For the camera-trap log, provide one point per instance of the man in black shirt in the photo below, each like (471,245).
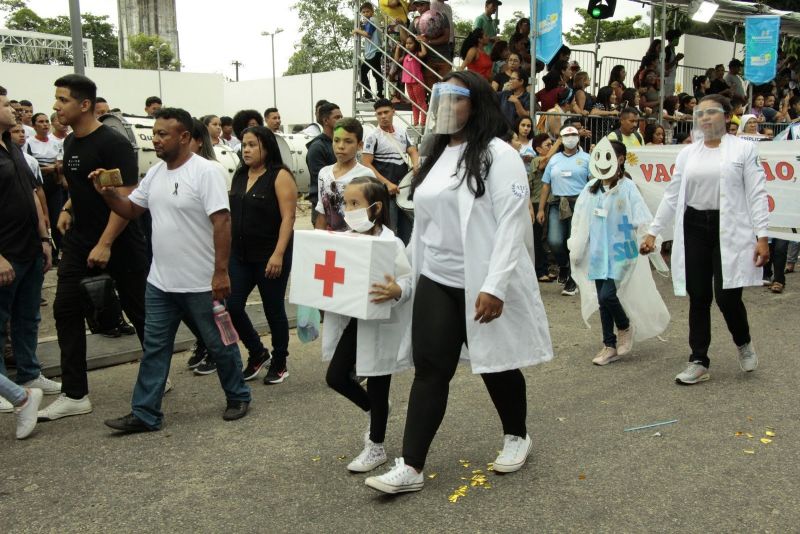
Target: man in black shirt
(95,240)
(320,151)
(25,255)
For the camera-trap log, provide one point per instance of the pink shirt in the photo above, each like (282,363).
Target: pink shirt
(411,64)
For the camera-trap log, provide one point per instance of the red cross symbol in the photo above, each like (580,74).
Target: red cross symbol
(329,273)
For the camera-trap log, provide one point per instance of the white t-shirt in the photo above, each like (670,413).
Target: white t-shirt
(702,179)
(331,193)
(313,129)
(59,144)
(29,131)
(436,218)
(45,152)
(35,169)
(233,142)
(180,202)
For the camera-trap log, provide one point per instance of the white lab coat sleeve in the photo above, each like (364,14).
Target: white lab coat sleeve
(404,275)
(756,191)
(578,242)
(508,190)
(665,216)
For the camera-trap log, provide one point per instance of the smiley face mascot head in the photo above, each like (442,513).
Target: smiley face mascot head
(603,163)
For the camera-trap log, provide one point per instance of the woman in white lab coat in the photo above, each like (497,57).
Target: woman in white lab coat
(718,201)
(473,275)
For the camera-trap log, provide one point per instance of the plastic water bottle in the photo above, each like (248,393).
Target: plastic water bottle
(224,324)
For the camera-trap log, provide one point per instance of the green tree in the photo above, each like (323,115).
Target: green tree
(610,30)
(326,41)
(105,42)
(143,53)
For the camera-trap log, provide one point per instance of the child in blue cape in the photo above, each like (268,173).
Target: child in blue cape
(605,255)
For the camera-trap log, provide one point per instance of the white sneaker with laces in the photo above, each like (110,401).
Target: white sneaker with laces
(748,359)
(5,406)
(48,387)
(371,457)
(63,406)
(625,341)
(27,413)
(515,452)
(606,356)
(401,478)
(695,372)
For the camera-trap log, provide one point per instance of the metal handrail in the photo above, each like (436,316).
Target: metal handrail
(391,85)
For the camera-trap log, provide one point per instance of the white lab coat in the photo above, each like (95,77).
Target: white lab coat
(497,236)
(378,340)
(743,208)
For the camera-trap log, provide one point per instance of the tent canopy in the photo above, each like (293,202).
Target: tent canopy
(734,11)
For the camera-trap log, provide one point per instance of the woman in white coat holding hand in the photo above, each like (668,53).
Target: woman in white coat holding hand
(473,274)
(718,201)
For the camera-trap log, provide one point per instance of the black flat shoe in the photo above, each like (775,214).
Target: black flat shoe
(129,424)
(235,410)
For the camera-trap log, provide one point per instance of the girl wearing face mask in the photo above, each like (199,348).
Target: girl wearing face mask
(604,253)
(369,346)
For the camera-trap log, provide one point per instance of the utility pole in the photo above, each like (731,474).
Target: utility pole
(272,35)
(77,36)
(157,50)
(237,64)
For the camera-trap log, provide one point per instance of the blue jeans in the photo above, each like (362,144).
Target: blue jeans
(20,301)
(557,234)
(611,311)
(245,276)
(10,391)
(163,314)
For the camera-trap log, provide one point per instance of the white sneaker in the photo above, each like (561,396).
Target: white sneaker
(606,356)
(748,359)
(399,479)
(5,406)
(625,341)
(695,372)
(167,386)
(63,406)
(371,457)
(26,414)
(515,452)
(48,387)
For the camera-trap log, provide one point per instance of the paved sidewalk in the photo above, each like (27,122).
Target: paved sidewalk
(282,468)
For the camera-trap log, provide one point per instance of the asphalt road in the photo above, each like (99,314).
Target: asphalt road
(282,468)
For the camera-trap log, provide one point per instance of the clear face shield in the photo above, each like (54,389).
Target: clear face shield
(447,112)
(708,123)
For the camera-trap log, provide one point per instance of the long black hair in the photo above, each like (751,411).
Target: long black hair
(269,145)
(200,133)
(604,97)
(485,122)
(470,41)
(619,150)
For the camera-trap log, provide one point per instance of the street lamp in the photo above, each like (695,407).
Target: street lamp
(157,50)
(272,35)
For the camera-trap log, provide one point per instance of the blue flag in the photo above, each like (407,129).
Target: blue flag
(761,48)
(548,28)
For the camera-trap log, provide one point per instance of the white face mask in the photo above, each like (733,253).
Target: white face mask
(570,141)
(358,220)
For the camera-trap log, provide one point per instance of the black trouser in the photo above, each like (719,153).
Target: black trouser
(704,281)
(438,330)
(375,399)
(539,253)
(776,266)
(69,314)
(375,63)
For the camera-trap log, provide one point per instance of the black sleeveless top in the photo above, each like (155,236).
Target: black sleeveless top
(255,216)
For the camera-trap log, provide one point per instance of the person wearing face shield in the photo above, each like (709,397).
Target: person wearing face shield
(716,203)
(565,176)
(472,265)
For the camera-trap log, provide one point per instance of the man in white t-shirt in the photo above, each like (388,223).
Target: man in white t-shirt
(191,246)
(46,150)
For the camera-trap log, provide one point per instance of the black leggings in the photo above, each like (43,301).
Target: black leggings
(375,399)
(438,330)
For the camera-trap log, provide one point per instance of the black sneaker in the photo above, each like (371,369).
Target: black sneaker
(255,364)
(129,424)
(206,367)
(563,275)
(126,329)
(570,288)
(235,410)
(277,372)
(113,333)
(198,354)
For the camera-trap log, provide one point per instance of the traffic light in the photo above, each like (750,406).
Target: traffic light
(602,9)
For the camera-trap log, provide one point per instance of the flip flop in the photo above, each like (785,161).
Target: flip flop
(776,287)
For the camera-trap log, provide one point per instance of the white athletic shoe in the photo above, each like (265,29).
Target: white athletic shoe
(5,406)
(401,478)
(63,406)
(515,452)
(748,359)
(48,387)
(371,457)
(167,386)
(26,414)
(625,341)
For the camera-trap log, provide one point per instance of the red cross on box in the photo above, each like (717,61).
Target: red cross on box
(329,273)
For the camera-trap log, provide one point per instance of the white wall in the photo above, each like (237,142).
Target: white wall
(123,88)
